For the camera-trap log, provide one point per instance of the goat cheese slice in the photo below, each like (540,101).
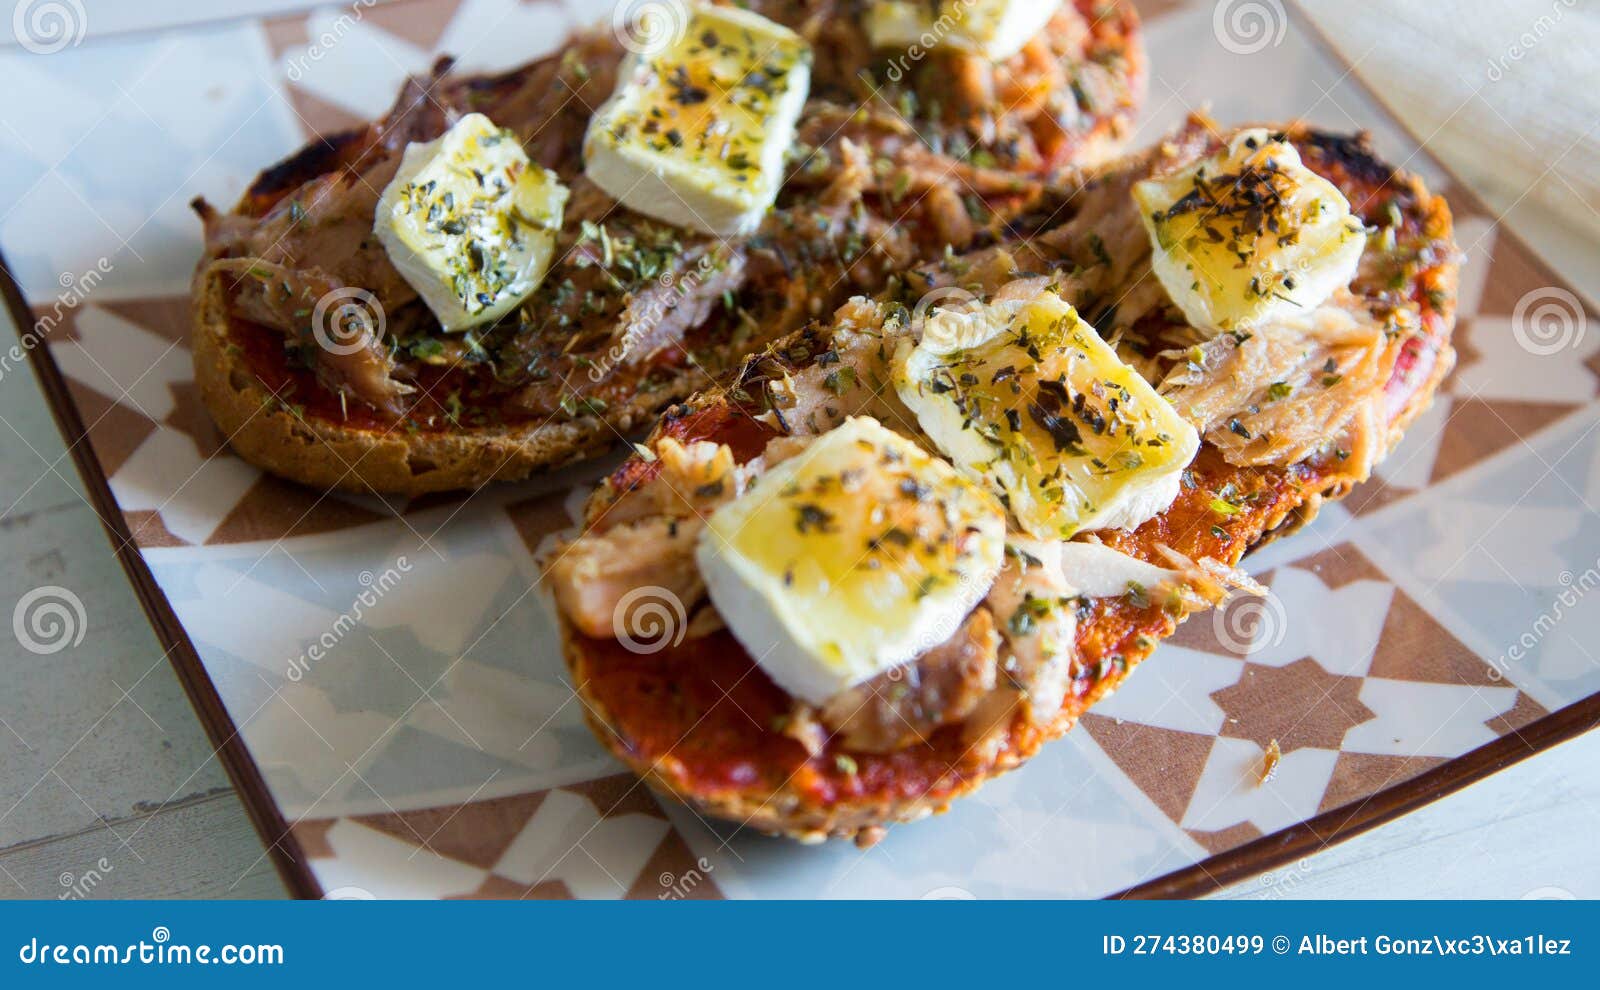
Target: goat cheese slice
(697,129)
(1249,234)
(470,222)
(858,554)
(1025,397)
(995,28)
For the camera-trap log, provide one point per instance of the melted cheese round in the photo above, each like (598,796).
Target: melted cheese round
(856,555)
(697,130)
(1025,396)
(1249,234)
(470,222)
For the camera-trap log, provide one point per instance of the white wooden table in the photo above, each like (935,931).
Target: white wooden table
(108,787)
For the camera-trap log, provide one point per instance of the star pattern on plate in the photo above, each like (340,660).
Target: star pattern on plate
(1297,705)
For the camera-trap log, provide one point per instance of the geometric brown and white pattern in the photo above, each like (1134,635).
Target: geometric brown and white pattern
(392,665)
(1356,684)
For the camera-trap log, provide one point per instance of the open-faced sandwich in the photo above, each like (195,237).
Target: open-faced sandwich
(910,544)
(507,272)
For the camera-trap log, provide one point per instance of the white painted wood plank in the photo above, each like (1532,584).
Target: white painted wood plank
(1526,831)
(75,748)
(202,849)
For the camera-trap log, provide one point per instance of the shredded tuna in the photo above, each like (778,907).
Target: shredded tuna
(1292,388)
(594,576)
(895,165)
(353,357)
(1036,605)
(906,705)
(692,481)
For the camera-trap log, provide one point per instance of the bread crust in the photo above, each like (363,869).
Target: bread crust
(323,453)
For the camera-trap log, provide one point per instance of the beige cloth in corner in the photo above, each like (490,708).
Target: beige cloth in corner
(1507,92)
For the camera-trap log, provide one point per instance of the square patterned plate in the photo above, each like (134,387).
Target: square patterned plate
(383,680)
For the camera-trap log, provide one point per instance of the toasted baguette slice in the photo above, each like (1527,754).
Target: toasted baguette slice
(324,452)
(703,724)
(296,418)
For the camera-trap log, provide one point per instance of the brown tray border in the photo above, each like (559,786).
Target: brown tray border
(1207,876)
